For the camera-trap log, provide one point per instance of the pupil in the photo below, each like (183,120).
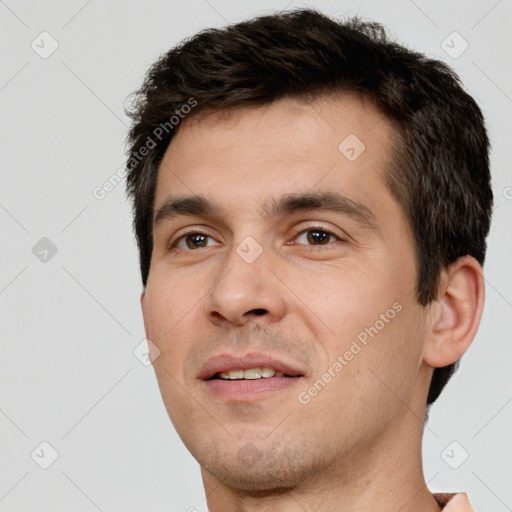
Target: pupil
(195,238)
(318,236)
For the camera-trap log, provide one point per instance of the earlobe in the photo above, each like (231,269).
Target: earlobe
(455,315)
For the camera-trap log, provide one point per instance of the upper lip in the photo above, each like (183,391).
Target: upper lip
(227,362)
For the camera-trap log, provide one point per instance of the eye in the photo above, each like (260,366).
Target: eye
(192,240)
(196,240)
(316,236)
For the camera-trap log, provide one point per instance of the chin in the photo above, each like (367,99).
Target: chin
(276,468)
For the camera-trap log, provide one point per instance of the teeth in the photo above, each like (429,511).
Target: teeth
(267,372)
(250,374)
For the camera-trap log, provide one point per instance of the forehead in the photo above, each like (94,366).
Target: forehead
(247,156)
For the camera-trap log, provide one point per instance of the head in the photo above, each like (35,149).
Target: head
(266,122)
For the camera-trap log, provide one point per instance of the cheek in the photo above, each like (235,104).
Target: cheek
(169,297)
(168,309)
(391,357)
(346,296)
(374,326)
(377,377)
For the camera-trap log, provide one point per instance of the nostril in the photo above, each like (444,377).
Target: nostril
(258,312)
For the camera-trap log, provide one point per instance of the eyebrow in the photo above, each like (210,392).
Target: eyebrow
(285,205)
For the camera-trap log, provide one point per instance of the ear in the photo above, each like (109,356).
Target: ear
(455,314)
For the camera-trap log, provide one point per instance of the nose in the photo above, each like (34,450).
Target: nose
(243,292)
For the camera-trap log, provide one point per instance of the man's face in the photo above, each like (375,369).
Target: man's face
(296,289)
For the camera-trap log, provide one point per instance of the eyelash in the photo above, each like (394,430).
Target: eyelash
(173,245)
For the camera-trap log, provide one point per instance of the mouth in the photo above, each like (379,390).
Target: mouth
(248,377)
(248,367)
(251,374)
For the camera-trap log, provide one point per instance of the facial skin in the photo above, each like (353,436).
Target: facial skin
(356,444)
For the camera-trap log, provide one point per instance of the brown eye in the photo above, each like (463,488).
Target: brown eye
(194,240)
(315,236)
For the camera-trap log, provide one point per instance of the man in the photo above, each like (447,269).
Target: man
(311,203)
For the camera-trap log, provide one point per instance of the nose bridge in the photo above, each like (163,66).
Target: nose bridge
(245,286)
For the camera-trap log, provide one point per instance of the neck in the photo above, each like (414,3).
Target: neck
(384,474)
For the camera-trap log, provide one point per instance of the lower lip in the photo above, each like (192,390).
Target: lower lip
(242,390)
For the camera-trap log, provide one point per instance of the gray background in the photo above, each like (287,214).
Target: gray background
(70,321)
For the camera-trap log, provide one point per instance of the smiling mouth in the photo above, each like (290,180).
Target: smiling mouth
(251,374)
